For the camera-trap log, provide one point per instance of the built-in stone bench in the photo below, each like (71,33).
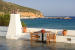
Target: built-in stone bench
(67,38)
(59,37)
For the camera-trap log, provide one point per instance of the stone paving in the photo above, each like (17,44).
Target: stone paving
(25,44)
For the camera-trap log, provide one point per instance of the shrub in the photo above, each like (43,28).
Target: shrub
(23,24)
(4,20)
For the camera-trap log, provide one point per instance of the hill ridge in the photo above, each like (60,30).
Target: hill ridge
(5,7)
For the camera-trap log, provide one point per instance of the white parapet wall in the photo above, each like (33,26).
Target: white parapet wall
(3,30)
(14,29)
(69,38)
(65,39)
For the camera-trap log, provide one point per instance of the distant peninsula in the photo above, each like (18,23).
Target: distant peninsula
(6,7)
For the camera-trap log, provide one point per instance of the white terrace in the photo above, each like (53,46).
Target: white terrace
(69,38)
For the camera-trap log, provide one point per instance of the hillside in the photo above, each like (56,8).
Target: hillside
(6,7)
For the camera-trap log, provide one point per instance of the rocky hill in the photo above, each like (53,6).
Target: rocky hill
(6,7)
(30,14)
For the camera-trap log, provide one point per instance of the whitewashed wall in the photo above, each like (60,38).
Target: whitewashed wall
(3,30)
(59,36)
(14,29)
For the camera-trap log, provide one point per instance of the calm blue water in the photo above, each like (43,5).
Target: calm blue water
(51,23)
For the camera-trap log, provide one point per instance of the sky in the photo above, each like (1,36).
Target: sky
(49,7)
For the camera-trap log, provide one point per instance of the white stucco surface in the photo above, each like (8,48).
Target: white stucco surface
(3,30)
(14,29)
(59,36)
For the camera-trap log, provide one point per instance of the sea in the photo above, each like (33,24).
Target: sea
(44,23)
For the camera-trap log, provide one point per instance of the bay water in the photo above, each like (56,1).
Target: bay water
(68,24)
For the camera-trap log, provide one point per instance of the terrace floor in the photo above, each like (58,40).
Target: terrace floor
(25,44)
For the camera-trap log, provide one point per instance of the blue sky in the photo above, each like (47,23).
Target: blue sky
(49,7)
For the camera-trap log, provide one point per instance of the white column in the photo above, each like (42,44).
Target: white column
(14,29)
